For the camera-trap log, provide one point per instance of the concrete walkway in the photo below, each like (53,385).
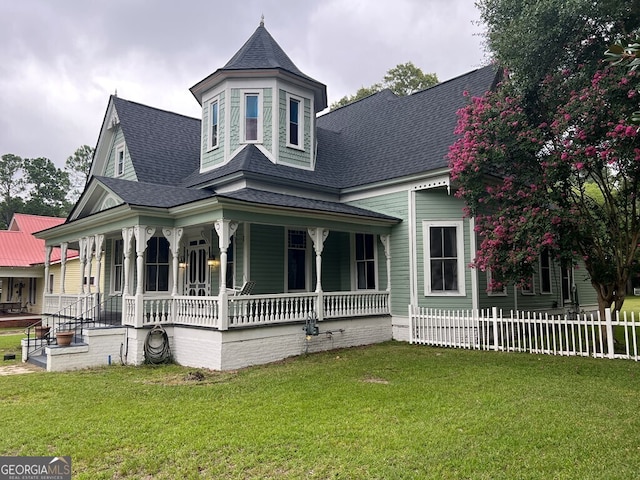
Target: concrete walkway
(18,369)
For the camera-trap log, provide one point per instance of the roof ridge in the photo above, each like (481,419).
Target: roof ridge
(162,110)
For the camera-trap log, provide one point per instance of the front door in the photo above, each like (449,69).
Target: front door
(197,281)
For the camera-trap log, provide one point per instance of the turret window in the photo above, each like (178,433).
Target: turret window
(294,122)
(251,117)
(213,122)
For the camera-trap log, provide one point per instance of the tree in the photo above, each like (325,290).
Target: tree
(11,185)
(535,39)
(569,186)
(403,79)
(78,166)
(48,188)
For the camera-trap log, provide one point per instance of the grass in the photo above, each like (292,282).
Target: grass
(631,304)
(10,343)
(388,411)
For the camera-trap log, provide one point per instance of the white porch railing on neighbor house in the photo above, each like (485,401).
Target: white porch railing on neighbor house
(57,303)
(251,310)
(532,332)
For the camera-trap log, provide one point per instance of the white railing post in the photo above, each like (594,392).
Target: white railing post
(494,318)
(320,307)
(139,303)
(609,330)
(224,310)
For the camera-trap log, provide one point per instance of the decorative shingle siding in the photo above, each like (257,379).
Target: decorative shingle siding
(234,120)
(267,119)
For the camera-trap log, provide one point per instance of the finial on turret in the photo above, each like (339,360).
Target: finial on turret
(262,20)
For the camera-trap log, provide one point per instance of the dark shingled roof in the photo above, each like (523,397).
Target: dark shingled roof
(261,51)
(251,195)
(384,137)
(164,146)
(145,194)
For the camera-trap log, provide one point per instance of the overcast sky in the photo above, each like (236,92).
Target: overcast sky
(60,60)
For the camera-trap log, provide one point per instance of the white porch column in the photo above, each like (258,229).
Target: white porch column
(142,234)
(63,265)
(90,253)
(225,230)
(47,263)
(386,243)
(174,235)
(127,236)
(99,242)
(318,236)
(83,261)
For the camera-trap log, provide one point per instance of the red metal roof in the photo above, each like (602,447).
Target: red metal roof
(18,246)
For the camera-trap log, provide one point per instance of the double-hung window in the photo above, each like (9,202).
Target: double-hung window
(444,258)
(157,265)
(251,117)
(120,160)
(495,291)
(213,124)
(117,270)
(545,271)
(295,122)
(365,262)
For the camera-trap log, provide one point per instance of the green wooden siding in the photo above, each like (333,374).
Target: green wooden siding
(395,204)
(438,205)
(267,258)
(110,168)
(288,155)
(335,262)
(211,158)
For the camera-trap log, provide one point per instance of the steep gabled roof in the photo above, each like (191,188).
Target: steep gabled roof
(384,137)
(32,223)
(164,147)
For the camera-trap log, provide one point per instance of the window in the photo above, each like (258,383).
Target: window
(251,117)
(365,262)
(444,258)
(157,265)
(118,257)
(90,280)
(230,279)
(120,160)
(294,122)
(545,272)
(494,292)
(213,122)
(51,280)
(529,289)
(296,260)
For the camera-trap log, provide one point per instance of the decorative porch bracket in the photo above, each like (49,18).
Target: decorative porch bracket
(318,236)
(99,242)
(386,243)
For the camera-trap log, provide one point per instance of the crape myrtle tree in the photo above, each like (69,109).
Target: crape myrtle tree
(568,185)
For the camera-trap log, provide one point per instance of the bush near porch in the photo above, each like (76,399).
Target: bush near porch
(392,410)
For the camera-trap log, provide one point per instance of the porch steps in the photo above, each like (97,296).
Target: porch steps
(38,361)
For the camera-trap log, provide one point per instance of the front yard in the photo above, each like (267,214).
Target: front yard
(388,411)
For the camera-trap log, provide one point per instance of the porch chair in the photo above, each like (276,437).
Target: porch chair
(245,289)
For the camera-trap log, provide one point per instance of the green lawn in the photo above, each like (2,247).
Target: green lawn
(631,304)
(10,343)
(388,411)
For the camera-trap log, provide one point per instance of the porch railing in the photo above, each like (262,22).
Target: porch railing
(251,310)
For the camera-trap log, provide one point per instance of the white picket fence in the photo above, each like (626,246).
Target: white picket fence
(532,332)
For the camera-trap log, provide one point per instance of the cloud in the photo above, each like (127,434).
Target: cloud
(60,61)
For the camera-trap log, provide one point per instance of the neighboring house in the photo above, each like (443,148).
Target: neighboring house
(25,272)
(347,218)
